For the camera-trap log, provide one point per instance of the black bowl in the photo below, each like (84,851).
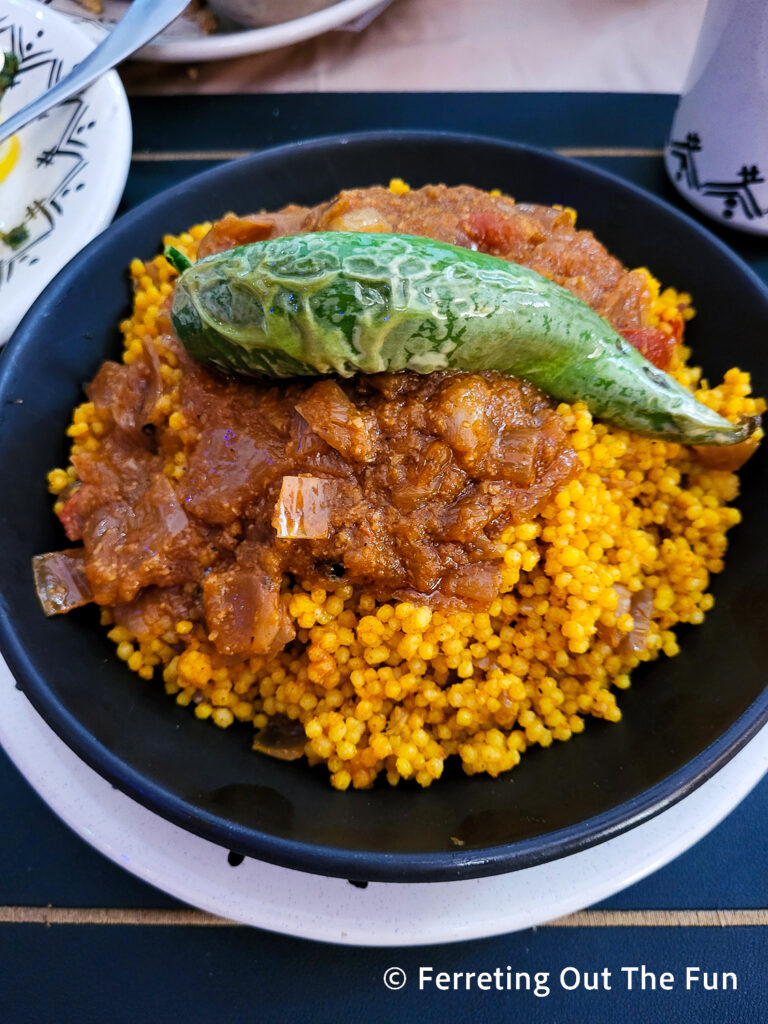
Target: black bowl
(683,718)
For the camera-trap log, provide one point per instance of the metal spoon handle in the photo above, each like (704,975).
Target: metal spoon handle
(141,22)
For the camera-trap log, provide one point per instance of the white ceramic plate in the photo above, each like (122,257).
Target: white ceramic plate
(72,164)
(330,909)
(184,40)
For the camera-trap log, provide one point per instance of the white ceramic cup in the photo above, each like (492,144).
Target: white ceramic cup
(717,151)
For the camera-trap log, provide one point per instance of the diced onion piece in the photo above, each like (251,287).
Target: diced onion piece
(303,510)
(282,737)
(243,611)
(612,635)
(640,610)
(624,603)
(336,419)
(478,582)
(364,218)
(169,518)
(60,580)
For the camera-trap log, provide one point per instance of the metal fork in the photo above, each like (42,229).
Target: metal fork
(141,23)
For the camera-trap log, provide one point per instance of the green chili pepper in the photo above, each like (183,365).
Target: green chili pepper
(347,302)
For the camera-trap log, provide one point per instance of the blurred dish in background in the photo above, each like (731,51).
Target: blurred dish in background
(260,13)
(61,177)
(207,34)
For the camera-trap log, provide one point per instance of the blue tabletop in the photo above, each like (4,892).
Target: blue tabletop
(699,927)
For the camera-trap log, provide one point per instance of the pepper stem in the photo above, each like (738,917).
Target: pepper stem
(177,259)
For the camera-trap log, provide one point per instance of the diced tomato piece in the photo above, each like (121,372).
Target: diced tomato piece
(71,517)
(653,343)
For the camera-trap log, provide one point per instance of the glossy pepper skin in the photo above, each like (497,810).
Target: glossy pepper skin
(348,302)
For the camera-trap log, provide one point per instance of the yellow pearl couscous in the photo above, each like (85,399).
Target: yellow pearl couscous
(396,688)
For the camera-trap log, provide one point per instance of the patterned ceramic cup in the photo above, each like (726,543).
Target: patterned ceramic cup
(717,152)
